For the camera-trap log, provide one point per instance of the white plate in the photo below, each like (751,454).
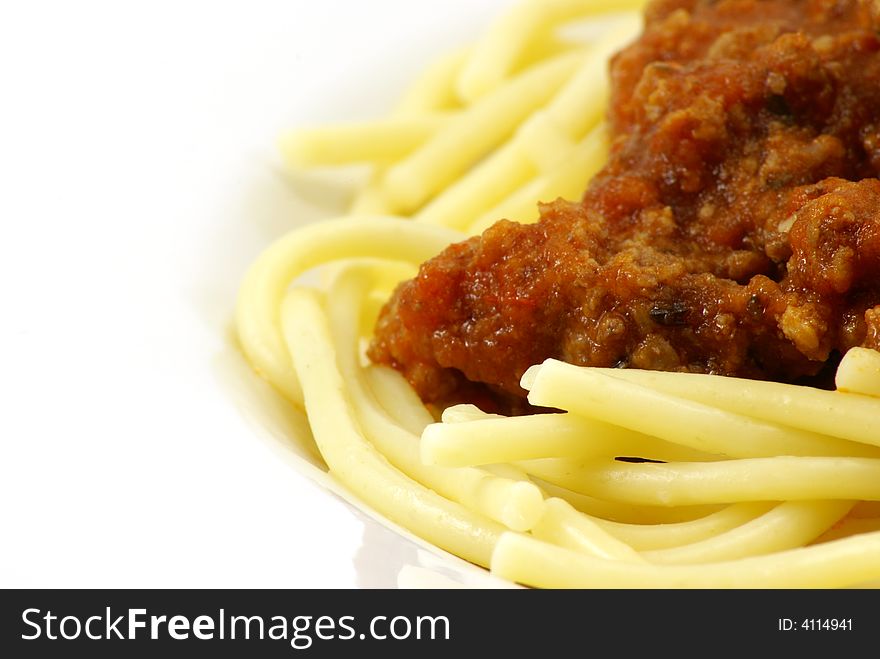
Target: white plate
(140,180)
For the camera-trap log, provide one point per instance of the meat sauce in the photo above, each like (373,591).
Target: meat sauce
(735,229)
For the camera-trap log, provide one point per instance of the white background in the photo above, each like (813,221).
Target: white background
(137,181)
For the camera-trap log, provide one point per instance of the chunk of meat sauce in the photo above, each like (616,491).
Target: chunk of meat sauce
(735,229)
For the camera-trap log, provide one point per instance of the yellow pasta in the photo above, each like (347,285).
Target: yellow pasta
(466,412)
(832,413)
(563,525)
(782,478)
(377,141)
(605,395)
(663,536)
(354,461)
(543,144)
(431,94)
(644,517)
(859,372)
(474,133)
(435,88)
(567,180)
(580,105)
(370,200)
(486,441)
(398,399)
(476,192)
(517,504)
(789,525)
(513,34)
(646,479)
(264,286)
(837,564)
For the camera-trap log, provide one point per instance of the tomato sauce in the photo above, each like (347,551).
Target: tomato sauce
(735,229)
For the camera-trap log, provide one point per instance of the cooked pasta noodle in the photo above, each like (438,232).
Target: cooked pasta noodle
(646,479)
(847,562)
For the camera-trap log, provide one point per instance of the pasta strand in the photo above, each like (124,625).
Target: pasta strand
(781,478)
(835,564)
(602,394)
(354,461)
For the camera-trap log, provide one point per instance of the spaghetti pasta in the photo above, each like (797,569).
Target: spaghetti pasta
(646,479)
(782,478)
(846,562)
(859,372)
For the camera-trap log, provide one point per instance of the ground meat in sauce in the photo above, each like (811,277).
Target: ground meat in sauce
(735,229)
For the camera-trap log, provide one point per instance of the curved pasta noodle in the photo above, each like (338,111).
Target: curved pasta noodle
(626,513)
(264,287)
(836,564)
(662,536)
(486,441)
(789,525)
(563,525)
(781,478)
(475,133)
(544,143)
(356,463)
(378,141)
(496,55)
(515,503)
